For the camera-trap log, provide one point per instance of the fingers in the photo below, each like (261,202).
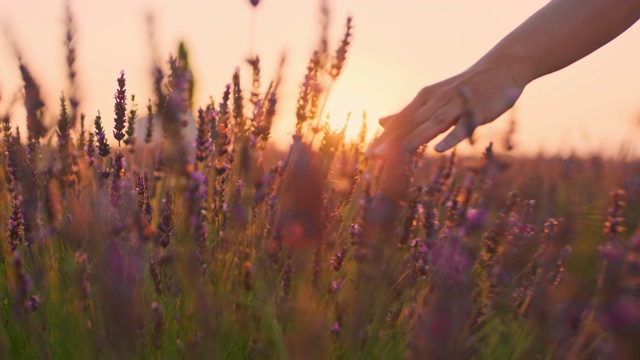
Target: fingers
(385,121)
(464,126)
(434,122)
(389,138)
(463,129)
(399,126)
(392,134)
(470,120)
(405,114)
(468,100)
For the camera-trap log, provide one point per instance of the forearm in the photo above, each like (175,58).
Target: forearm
(559,34)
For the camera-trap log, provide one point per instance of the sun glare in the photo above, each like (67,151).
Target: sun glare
(351,105)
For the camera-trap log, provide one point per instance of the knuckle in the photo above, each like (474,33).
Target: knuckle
(437,118)
(443,117)
(424,93)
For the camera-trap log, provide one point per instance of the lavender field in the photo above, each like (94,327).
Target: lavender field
(182,232)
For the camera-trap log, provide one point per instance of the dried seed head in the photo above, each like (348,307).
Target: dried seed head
(341,53)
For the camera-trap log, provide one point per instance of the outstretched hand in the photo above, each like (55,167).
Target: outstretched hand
(559,34)
(474,97)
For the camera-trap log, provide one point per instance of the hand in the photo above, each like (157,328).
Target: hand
(475,97)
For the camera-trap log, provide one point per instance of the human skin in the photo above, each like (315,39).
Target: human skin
(559,34)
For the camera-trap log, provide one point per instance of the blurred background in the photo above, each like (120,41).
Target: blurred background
(592,107)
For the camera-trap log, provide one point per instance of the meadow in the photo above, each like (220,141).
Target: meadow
(146,241)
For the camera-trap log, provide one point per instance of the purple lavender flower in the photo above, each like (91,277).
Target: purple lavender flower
(70,48)
(238,104)
(90,150)
(16,221)
(623,314)
(335,329)
(165,227)
(476,218)
(614,223)
(338,259)
(64,143)
(149,134)
(33,104)
(32,303)
(130,140)
(103,146)
(335,286)
(144,206)
(196,196)
(286,278)
(203,140)
(23,283)
(120,109)
(116,182)
(9,151)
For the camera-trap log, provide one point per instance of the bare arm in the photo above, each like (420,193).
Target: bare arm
(556,36)
(561,33)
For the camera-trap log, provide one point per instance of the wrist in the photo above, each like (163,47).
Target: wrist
(520,69)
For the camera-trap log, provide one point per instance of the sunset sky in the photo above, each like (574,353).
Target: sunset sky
(398,47)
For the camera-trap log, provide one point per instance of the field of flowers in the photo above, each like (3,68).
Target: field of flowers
(214,245)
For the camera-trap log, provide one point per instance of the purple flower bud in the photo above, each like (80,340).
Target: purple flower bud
(476,218)
(335,329)
(622,315)
(32,303)
(335,286)
(611,252)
